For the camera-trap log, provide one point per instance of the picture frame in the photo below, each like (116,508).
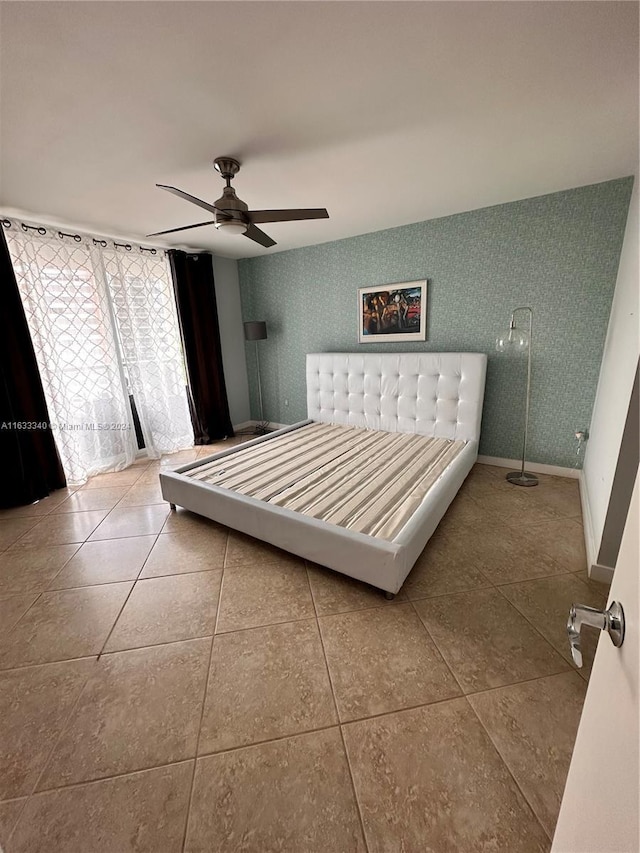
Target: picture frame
(390,313)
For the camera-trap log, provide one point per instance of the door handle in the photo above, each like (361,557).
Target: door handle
(611,621)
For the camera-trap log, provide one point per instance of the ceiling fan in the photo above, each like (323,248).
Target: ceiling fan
(232,216)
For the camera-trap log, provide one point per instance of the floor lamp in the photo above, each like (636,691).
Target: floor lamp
(519,340)
(255,331)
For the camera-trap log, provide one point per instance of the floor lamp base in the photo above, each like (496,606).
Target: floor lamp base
(522,478)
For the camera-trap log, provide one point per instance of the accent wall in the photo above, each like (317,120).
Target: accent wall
(557,253)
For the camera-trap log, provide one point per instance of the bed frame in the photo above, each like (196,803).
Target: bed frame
(431,394)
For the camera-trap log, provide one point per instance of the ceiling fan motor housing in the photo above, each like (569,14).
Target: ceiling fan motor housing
(227,166)
(231,208)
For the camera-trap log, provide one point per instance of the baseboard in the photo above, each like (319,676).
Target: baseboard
(603,574)
(536,467)
(587,523)
(248,424)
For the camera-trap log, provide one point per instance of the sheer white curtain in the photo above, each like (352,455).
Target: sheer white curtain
(145,311)
(104,326)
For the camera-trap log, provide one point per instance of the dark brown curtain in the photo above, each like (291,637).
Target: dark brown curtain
(198,314)
(30,462)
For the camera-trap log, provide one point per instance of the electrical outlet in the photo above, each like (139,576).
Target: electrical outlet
(286,402)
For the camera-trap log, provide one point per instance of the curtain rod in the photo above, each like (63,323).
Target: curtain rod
(7,223)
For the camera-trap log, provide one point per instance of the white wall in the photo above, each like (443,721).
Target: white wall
(614,387)
(225,272)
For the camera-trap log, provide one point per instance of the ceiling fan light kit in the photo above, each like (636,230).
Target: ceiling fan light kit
(232,215)
(230,226)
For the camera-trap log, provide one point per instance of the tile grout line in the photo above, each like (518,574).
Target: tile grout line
(98,779)
(542,578)
(353,788)
(37,598)
(224,568)
(130,487)
(263,625)
(133,586)
(115,622)
(508,768)
(17,820)
(146,559)
(248,628)
(79,544)
(127,580)
(225,751)
(443,594)
(63,731)
(342,723)
(535,628)
(195,756)
(77,700)
(518,683)
(402,710)
(279,738)
(498,588)
(440,652)
(335,704)
(45,663)
(259,627)
(16,547)
(204,701)
(269,624)
(241,746)
(324,652)
(66,562)
(464,692)
(176,574)
(64,589)
(105,654)
(128,535)
(38,515)
(380,606)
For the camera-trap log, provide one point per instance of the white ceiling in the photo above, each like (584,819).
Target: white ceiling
(384,112)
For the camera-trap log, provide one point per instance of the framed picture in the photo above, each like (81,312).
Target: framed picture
(392,312)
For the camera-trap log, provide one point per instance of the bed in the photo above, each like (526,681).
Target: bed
(361,485)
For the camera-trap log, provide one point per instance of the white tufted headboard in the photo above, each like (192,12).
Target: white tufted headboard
(429,393)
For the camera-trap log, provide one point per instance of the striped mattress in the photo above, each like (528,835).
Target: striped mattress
(367,481)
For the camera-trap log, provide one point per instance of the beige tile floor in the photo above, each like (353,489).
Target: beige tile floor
(168,685)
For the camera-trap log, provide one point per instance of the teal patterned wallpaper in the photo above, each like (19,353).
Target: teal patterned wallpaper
(557,253)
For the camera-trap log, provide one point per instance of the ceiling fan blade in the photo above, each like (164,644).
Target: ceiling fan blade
(184,228)
(287,215)
(259,236)
(188,197)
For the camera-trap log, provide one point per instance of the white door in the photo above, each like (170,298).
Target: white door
(599,811)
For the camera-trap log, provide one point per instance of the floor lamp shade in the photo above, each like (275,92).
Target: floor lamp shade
(255,330)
